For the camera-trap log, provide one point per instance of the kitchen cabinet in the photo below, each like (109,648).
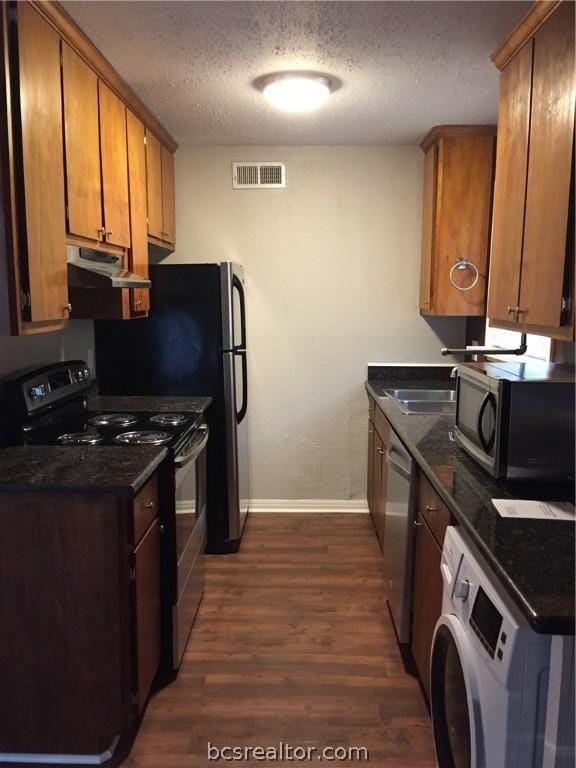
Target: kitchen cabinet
(34,286)
(139,297)
(458,179)
(74,171)
(378,438)
(161,195)
(114,159)
(433,517)
(96,155)
(82,143)
(80,592)
(532,256)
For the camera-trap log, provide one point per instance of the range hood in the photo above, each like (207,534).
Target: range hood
(88,268)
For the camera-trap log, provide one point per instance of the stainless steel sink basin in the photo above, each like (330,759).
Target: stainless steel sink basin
(424,401)
(422,394)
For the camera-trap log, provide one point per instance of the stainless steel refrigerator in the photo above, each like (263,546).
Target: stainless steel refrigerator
(192,344)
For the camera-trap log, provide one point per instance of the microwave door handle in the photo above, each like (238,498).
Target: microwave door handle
(486,442)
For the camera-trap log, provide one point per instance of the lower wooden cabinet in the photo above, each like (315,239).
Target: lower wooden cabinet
(80,604)
(378,437)
(427,598)
(431,523)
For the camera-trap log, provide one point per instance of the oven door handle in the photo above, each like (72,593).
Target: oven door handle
(487,443)
(196,450)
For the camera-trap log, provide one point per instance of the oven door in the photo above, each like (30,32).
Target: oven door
(478,416)
(190,485)
(456,716)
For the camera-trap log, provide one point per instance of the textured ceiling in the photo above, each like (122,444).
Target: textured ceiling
(404,66)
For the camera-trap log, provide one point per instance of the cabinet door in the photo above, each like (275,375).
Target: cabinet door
(462,227)
(426,600)
(168,197)
(147,591)
(510,185)
(43,165)
(82,142)
(154,185)
(428,216)
(549,171)
(370,483)
(381,501)
(114,158)
(377,452)
(138,229)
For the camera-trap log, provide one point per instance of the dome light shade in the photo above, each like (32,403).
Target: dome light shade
(296,91)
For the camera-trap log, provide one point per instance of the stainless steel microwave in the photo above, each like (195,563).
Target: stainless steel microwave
(517,419)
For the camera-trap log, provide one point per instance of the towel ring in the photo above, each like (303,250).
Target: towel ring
(464,264)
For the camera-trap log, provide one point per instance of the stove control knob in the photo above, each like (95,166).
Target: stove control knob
(462,589)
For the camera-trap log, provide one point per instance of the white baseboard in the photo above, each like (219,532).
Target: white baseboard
(309,505)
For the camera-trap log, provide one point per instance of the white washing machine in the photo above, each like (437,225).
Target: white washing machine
(490,675)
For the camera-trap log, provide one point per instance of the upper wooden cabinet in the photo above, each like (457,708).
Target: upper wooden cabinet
(168,197)
(82,141)
(139,297)
(96,155)
(114,159)
(33,176)
(74,171)
(458,176)
(160,180)
(532,253)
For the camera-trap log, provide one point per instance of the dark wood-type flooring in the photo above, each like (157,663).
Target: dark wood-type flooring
(293,643)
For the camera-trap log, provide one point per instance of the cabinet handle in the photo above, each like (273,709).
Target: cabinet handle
(67,307)
(509,309)
(150,505)
(109,232)
(101,231)
(380,451)
(417,523)
(138,302)
(431,508)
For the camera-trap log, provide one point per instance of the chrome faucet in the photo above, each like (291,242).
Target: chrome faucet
(454,372)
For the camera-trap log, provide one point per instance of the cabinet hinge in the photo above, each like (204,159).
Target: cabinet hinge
(565,304)
(25,299)
(145,142)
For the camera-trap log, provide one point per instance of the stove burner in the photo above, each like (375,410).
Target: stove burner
(80,438)
(143,437)
(169,419)
(112,420)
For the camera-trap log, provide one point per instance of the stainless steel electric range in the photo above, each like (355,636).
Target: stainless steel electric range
(49,406)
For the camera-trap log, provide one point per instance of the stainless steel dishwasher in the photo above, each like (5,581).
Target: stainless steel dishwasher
(399,535)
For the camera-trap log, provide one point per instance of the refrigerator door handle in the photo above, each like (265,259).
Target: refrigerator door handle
(237,283)
(244,407)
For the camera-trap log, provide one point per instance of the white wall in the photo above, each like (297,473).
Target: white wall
(332,263)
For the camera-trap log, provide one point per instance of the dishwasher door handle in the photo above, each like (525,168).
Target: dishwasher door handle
(396,466)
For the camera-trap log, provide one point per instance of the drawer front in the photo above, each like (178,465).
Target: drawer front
(145,508)
(433,509)
(382,426)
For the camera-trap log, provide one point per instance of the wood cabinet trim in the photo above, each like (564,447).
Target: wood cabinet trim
(526,28)
(55,14)
(444,131)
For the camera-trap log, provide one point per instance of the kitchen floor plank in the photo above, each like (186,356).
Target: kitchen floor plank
(293,643)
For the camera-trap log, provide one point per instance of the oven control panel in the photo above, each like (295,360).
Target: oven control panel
(34,391)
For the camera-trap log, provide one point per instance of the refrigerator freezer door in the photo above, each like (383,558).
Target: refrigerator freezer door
(233,307)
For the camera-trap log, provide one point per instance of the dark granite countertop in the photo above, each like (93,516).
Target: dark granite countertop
(75,469)
(156,404)
(533,559)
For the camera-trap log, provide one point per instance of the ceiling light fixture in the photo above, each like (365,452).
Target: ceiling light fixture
(296,91)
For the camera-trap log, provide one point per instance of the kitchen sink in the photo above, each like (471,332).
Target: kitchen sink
(423,401)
